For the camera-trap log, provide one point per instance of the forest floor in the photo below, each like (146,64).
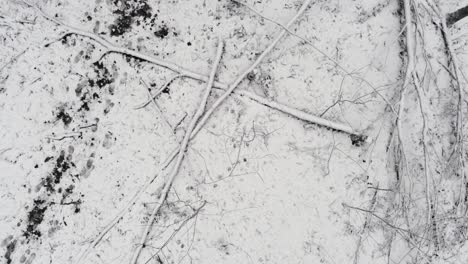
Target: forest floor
(257,185)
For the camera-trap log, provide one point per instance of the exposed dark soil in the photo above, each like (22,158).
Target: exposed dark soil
(459,14)
(65,117)
(121,25)
(358,140)
(87,91)
(66,197)
(162,32)
(35,218)
(10,248)
(104,77)
(128,12)
(61,166)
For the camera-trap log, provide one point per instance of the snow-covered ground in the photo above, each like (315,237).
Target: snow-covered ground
(257,185)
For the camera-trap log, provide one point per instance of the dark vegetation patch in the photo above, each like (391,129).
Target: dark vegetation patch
(357,140)
(162,32)
(399,11)
(84,106)
(35,218)
(233,8)
(121,25)
(90,90)
(61,166)
(35,215)
(135,62)
(104,77)
(66,199)
(9,251)
(64,116)
(166,90)
(128,11)
(86,100)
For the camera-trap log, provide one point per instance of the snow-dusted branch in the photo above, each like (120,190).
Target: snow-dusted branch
(181,154)
(194,128)
(250,69)
(299,114)
(111,48)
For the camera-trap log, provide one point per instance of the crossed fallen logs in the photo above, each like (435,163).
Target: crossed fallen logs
(111,48)
(198,120)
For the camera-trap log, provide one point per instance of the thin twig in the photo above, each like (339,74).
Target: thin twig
(236,163)
(158,109)
(64,136)
(366,224)
(379,217)
(13,59)
(183,223)
(83,254)
(159,91)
